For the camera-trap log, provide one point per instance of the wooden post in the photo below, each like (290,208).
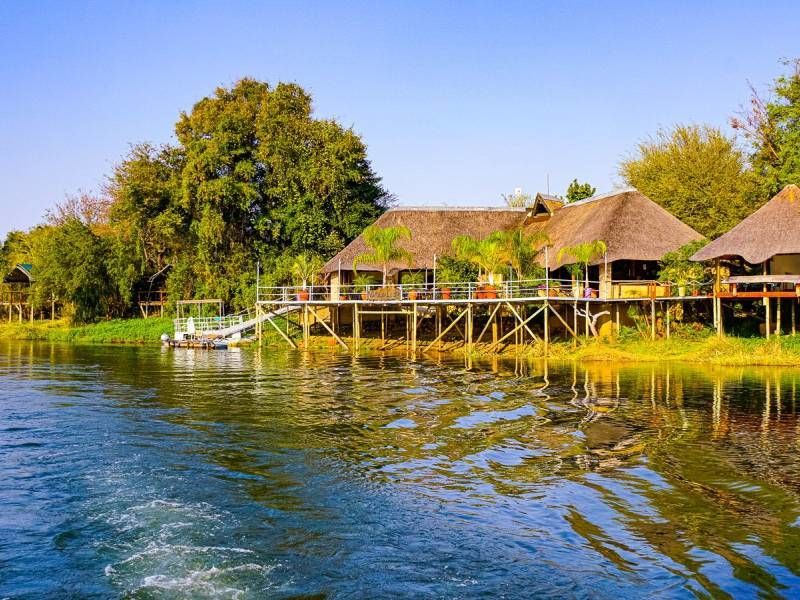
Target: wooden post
(778,303)
(616,306)
(652,319)
(768,319)
(356,328)
(794,323)
(494,326)
(586,319)
(468,332)
(414,330)
(716,299)
(546,326)
(575,323)
(667,319)
(258,324)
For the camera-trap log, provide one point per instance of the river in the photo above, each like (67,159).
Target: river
(152,473)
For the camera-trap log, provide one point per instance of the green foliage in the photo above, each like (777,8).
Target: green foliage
(70,264)
(773,129)
(362,280)
(580,256)
(696,173)
(489,254)
(306,268)
(383,242)
(578,191)
(678,269)
(521,251)
(454,270)
(518,199)
(412,278)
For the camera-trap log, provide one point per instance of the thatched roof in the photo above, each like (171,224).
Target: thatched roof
(550,202)
(772,229)
(21,273)
(433,230)
(632,226)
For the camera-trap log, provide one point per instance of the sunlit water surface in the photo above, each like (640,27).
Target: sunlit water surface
(145,473)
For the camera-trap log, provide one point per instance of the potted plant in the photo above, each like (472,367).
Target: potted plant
(305,270)
(677,269)
(361,283)
(489,255)
(453,270)
(413,278)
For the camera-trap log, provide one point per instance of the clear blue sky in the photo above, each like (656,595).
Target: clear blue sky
(458,101)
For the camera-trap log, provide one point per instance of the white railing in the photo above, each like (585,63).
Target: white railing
(510,289)
(205,326)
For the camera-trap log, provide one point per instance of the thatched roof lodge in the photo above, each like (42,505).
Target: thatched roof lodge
(637,231)
(432,233)
(772,232)
(633,227)
(22,273)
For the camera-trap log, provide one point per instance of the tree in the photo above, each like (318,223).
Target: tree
(518,199)
(582,254)
(773,129)
(306,268)
(678,269)
(578,191)
(695,172)
(521,250)
(383,242)
(69,264)
(489,254)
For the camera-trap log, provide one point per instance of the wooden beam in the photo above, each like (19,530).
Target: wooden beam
(283,335)
(330,330)
(524,322)
(448,328)
(486,327)
(560,318)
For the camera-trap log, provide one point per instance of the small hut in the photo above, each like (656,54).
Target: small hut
(15,296)
(637,232)
(763,253)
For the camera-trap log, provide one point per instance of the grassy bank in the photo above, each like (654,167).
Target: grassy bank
(118,331)
(709,349)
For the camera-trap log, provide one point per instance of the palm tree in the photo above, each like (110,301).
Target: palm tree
(306,268)
(583,254)
(522,248)
(383,242)
(488,254)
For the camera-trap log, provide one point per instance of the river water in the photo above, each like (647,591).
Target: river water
(151,473)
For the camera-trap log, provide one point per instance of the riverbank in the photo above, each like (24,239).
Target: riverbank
(117,331)
(707,349)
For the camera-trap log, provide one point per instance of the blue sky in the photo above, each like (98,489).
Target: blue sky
(458,102)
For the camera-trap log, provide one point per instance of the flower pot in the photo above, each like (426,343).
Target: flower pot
(695,292)
(541,293)
(577,291)
(490,292)
(302,296)
(412,295)
(681,290)
(446,294)
(363,295)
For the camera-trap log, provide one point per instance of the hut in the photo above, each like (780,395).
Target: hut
(637,233)
(432,233)
(763,252)
(15,294)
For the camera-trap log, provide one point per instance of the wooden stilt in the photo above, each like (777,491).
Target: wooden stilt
(469,328)
(778,302)
(356,328)
(546,326)
(794,323)
(329,329)
(768,319)
(652,319)
(666,318)
(563,322)
(414,330)
(616,307)
(282,334)
(449,327)
(575,323)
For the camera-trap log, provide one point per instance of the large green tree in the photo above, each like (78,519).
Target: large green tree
(255,176)
(772,127)
(695,172)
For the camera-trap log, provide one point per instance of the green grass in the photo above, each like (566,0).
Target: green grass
(117,331)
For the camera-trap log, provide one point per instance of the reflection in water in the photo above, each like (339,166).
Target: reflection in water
(242,474)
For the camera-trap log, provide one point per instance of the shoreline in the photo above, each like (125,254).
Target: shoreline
(708,349)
